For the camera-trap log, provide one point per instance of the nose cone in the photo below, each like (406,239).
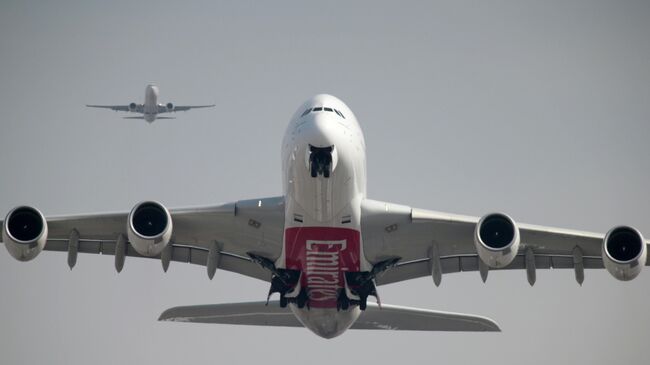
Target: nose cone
(151,89)
(322,130)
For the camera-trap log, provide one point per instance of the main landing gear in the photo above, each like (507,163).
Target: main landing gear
(360,285)
(286,282)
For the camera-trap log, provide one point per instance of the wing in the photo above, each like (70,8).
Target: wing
(254,225)
(429,241)
(181,108)
(388,317)
(120,108)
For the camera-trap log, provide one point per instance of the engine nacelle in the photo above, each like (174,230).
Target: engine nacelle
(496,238)
(24,233)
(133,107)
(149,228)
(624,252)
(170,107)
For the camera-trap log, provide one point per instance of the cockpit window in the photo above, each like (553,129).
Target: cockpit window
(320,108)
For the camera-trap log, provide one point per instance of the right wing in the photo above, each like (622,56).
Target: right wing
(120,108)
(388,317)
(430,243)
(234,229)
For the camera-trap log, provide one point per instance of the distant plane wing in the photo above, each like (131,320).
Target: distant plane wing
(224,231)
(120,108)
(181,108)
(388,317)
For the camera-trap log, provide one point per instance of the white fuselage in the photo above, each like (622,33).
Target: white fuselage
(150,106)
(322,219)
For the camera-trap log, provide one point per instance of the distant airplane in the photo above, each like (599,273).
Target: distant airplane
(150,109)
(322,245)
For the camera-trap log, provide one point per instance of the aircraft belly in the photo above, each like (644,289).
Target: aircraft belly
(322,255)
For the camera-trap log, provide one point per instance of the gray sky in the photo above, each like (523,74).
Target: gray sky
(536,109)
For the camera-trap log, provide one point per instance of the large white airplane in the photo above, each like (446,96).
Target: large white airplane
(323,246)
(150,109)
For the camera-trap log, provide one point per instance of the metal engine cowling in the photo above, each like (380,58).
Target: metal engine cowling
(624,252)
(170,107)
(132,107)
(496,238)
(149,228)
(24,233)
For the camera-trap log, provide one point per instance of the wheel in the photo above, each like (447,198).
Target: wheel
(314,170)
(283,301)
(363,304)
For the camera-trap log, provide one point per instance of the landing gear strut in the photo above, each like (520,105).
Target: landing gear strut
(320,161)
(360,285)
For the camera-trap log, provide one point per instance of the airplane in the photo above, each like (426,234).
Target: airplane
(323,246)
(150,109)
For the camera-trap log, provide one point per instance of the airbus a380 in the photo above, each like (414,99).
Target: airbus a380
(150,109)
(323,246)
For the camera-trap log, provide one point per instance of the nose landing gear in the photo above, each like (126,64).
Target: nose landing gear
(320,161)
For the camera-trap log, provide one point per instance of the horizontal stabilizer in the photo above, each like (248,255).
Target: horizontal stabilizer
(389,317)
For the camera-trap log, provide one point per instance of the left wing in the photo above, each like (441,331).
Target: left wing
(121,108)
(431,243)
(229,230)
(181,108)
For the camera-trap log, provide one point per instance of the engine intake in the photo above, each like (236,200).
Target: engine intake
(496,238)
(624,252)
(24,233)
(132,107)
(170,107)
(149,228)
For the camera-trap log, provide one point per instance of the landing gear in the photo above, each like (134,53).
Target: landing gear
(284,281)
(360,285)
(320,161)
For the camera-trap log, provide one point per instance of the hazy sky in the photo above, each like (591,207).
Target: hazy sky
(537,109)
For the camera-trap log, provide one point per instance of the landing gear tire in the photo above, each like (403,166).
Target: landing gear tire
(363,304)
(302,298)
(283,301)
(314,170)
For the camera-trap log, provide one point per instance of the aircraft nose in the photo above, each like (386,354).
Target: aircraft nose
(323,131)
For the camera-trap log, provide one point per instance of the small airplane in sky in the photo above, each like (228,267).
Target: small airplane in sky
(322,245)
(150,109)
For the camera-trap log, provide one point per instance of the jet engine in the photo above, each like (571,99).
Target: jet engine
(624,252)
(149,228)
(170,107)
(496,238)
(132,107)
(24,233)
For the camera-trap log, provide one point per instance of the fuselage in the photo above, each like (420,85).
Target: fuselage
(324,181)
(150,106)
